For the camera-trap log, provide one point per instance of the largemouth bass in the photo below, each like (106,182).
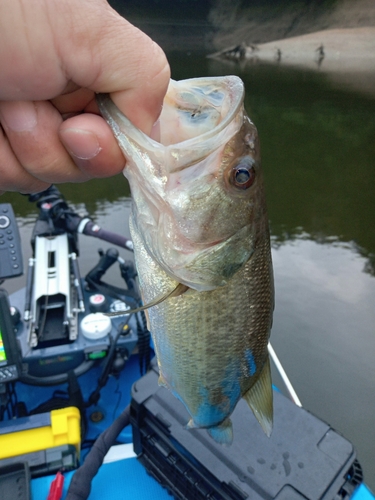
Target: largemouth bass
(200,231)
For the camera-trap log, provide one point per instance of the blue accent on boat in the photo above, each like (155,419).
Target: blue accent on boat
(114,397)
(125,479)
(122,480)
(110,484)
(363,493)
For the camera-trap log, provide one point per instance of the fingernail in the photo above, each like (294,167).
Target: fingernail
(82,144)
(18,116)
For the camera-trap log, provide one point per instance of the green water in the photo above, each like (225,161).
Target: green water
(318,150)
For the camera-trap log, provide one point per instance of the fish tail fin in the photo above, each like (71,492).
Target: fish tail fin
(223,433)
(260,399)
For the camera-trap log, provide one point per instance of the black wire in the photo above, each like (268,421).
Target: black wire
(56,379)
(62,399)
(107,365)
(119,393)
(9,407)
(143,344)
(80,485)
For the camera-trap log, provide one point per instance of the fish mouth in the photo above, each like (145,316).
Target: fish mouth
(180,177)
(199,115)
(199,108)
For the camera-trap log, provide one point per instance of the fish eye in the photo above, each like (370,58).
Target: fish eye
(242,175)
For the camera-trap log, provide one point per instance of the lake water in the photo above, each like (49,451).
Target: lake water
(318,154)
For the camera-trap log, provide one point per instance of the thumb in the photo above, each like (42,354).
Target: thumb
(102,51)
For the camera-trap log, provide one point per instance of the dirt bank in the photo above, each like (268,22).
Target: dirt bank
(345,55)
(337,50)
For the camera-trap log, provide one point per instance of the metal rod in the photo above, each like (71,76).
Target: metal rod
(77,282)
(284,376)
(29,289)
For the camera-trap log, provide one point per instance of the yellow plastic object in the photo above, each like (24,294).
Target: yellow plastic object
(63,428)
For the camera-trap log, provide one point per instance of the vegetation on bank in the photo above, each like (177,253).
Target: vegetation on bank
(215,24)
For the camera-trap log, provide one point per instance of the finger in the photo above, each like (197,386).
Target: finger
(13,177)
(82,135)
(37,137)
(32,132)
(74,102)
(72,46)
(108,54)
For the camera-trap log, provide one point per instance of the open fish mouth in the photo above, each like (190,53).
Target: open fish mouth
(198,108)
(194,111)
(179,184)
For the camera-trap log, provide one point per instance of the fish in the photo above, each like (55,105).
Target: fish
(201,239)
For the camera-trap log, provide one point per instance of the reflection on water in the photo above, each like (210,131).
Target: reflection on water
(318,153)
(324,334)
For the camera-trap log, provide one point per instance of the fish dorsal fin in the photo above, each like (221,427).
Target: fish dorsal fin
(179,290)
(260,399)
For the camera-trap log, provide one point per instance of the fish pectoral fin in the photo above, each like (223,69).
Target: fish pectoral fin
(260,399)
(179,290)
(223,433)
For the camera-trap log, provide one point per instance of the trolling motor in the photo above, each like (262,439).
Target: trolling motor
(64,325)
(54,294)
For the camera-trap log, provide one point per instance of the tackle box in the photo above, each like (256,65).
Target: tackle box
(47,461)
(40,432)
(304,459)
(15,482)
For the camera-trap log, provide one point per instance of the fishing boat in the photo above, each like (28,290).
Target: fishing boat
(82,415)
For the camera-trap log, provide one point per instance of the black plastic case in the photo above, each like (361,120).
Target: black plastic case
(46,461)
(11,262)
(15,482)
(303,459)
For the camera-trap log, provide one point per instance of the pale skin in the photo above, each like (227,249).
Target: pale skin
(54,56)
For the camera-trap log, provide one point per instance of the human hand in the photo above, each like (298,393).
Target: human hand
(54,56)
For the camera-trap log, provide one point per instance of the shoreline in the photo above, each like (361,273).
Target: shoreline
(346,55)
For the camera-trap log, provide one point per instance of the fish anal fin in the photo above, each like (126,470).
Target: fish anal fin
(191,424)
(260,399)
(162,382)
(223,433)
